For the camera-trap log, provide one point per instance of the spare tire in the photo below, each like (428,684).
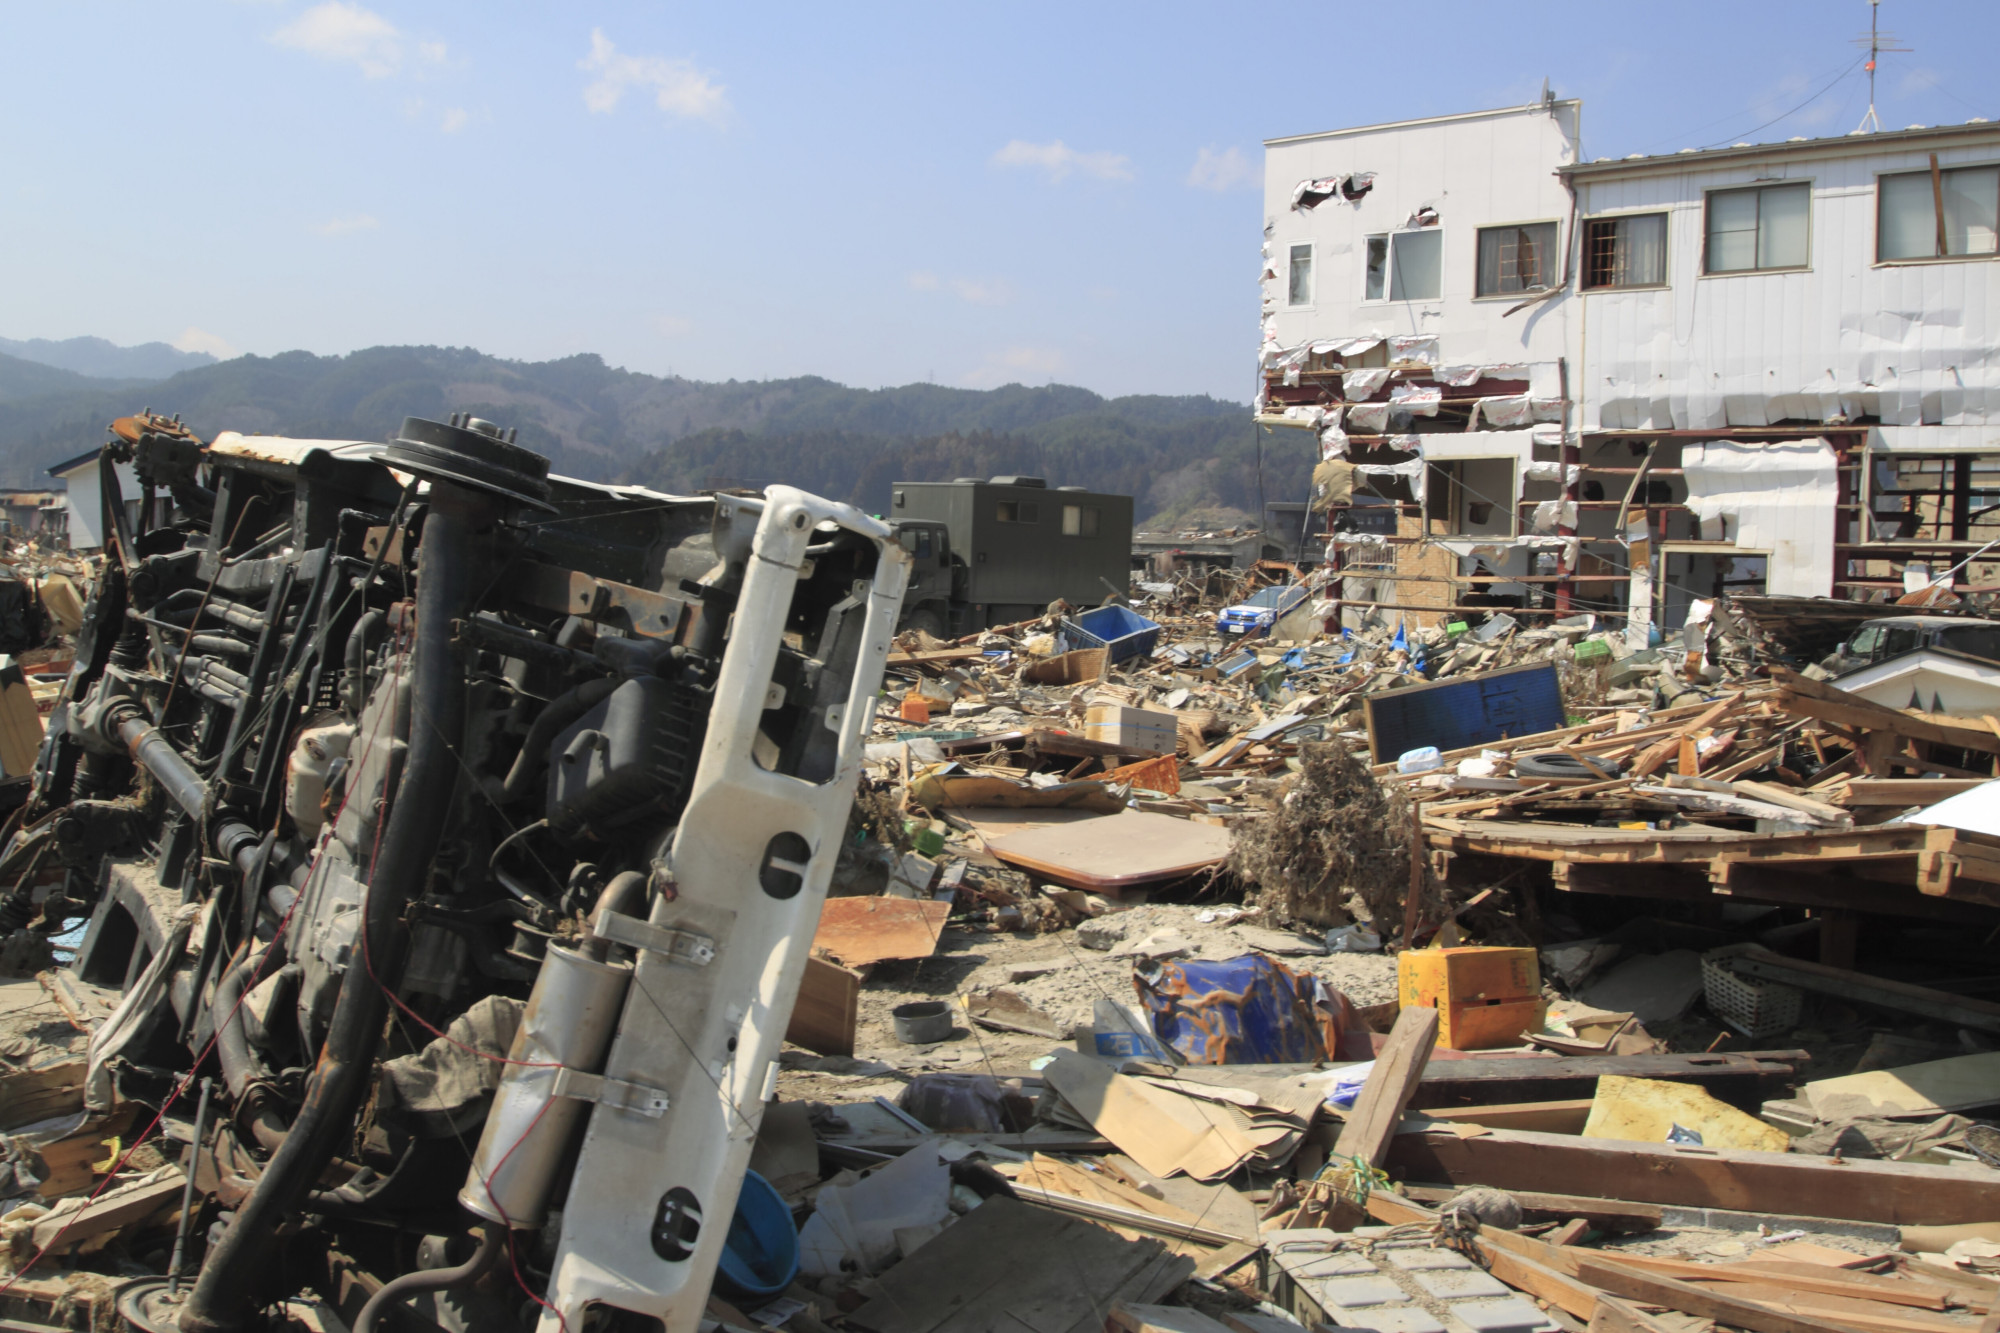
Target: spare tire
(1556,764)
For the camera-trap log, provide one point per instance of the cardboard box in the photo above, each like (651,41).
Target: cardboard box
(1139,730)
(1484,997)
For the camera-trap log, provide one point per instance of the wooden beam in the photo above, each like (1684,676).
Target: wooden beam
(1745,1077)
(1901,793)
(1961,1010)
(1520,1261)
(1802,1277)
(1399,1067)
(1553,1117)
(1615,1316)
(1797,886)
(1891,1193)
(1654,1289)
(1604,1212)
(1830,704)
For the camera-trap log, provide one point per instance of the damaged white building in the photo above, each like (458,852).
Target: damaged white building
(1629,385)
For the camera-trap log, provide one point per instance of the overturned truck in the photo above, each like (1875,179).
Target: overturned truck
(455,834)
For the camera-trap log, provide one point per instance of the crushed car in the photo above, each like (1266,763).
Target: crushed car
(468,826)
(1256,614)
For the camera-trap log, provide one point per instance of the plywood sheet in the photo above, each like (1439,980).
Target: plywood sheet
(1130,848)
(1931,1088)
(858,931)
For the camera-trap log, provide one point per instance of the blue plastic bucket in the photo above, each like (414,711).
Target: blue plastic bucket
(761,1256)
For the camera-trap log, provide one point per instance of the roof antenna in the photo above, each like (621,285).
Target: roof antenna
(1877,42)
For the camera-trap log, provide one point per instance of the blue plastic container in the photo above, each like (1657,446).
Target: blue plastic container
(1120,630)
(761,1256)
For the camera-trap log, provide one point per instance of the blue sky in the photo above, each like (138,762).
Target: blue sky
(877,194)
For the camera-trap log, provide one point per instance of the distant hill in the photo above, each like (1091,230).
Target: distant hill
(30,379)
(106,360)
(601,423)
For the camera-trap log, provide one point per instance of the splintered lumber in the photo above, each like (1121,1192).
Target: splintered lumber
(1892,1193)
(111,1211)
(1378,1110)
(1622,1280)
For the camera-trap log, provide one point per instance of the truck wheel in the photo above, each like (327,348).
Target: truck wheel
(927,620)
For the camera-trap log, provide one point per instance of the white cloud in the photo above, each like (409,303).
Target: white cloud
(455,120)
(973,291)
(679,89)
(1058,160)
(352,35)
(673,326)
(1223,171)
(1014,365)
(192,339)
(346,226)
(1919,80)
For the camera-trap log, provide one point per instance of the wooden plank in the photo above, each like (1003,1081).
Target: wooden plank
(1801,1277)
(828,1009)
(1831,704)
(1399,1066)
(1961,1010)
(860,931)
(1891,1193)
(1554,1117)
(1616,1316)
(1801,886)
(125,1206)
(1900,793)
(28,1096)
(1737,1077)
(1124,850)
(1863,1314)
(1657,1290)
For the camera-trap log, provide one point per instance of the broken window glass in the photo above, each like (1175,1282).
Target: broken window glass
(1908,220)
(1519,258)
(1378,268)
(1762,228)
(1299,290)
(1625,251)
(1416,266)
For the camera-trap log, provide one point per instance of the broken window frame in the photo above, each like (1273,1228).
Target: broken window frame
(1434,237)
(1299,276)
(1375,267)
(1488,285)
(1930,184)
(1449,500)
(1617,253)
(1760,232)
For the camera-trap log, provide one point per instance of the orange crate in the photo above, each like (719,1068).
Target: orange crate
(1484,997)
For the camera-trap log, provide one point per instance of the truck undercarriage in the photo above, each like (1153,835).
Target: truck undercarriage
(454,835)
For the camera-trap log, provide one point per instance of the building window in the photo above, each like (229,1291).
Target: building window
(1762,228)
(1416,262)
(1378,268)
(1910,225)
(1017,511)
(1625,252)
(1517,259)
(1079,520)
(1299,284)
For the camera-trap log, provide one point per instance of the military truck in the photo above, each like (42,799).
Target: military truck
(997,551)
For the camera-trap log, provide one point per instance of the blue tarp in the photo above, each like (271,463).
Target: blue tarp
(1243,1011)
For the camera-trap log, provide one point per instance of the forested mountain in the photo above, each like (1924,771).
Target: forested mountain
(1175,454)
(103,359)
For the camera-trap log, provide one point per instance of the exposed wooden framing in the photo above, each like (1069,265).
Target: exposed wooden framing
(1892,1193)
